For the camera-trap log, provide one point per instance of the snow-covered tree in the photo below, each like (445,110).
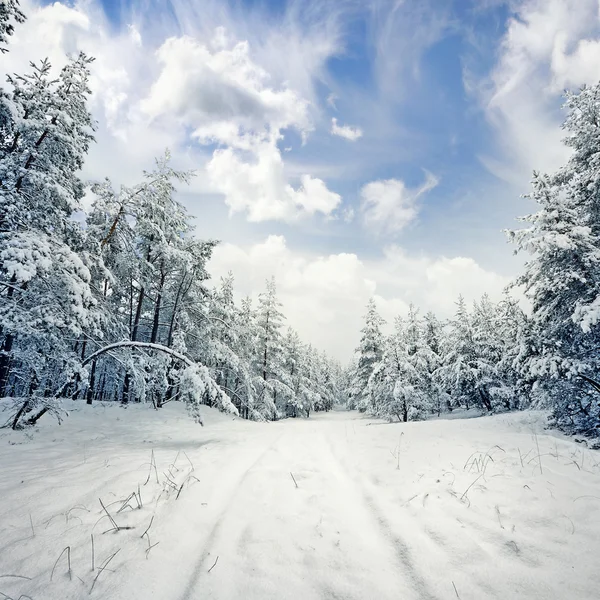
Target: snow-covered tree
(10,13)
(562,277)
(46,130)
(400,381)
(272,394)
(369,353)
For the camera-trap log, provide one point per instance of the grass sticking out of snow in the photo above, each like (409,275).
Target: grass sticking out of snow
(135,503)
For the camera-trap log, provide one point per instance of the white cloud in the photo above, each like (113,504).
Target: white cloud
(388,206)
(220,85)
(324,297)
(229,100)
(260,188)
(549,45)
(346,131)
(210,86)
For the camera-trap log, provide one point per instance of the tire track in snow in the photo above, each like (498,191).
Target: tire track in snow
(216,528)
(400,546)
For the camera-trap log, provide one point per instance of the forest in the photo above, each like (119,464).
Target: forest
(105,293)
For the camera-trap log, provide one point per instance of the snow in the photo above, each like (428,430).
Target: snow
(446,508)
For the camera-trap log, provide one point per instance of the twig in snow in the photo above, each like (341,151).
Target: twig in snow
(150,544)
(179,491)
(398,451)
(148,528)
(68,551)
(126,503)
(114,523)
(586,496)
(152,464)
(93,555)
(455,590)
(572,524)
(464,495)
(191,463)
(499,520)
(214,564)
(31,523)
(103,568)
(150,548)
(539,455)
(16,577)
(293,479)
(170,481)
(114,527)
(192,477)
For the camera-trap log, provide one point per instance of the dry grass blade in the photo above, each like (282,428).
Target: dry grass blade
(68,551)
(214,564)
(455,590)
(152,466)
(103,567)
(148,528)
(464,494)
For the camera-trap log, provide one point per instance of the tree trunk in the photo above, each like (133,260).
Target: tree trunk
(138,314)
(125,391)
(90,391)
(5,352)
(485,399)
(19,414)
(156,319)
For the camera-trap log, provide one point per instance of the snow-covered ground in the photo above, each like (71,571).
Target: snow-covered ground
(338,506)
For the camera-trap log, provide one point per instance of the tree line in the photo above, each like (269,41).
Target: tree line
(495,356)
(112,303)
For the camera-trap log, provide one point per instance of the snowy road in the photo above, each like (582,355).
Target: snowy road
(323,539)
(334,507)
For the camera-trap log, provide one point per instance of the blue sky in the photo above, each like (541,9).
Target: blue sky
(352,148)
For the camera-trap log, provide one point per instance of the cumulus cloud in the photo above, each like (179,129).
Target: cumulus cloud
(260,188)
(217,85)
(346,131)
(209,85)
(388,206)
(325,294)
(230,101)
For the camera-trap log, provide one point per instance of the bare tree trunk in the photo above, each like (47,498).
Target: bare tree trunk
(90,391)
(156,319)
(19,414)
(138,314)
(5,359)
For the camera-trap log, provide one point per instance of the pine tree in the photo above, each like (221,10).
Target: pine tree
(10,13)
(562,278)
(46,132)
(273,395)
(369,355)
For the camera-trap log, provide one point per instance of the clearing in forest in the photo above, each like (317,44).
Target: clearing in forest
(335,506)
